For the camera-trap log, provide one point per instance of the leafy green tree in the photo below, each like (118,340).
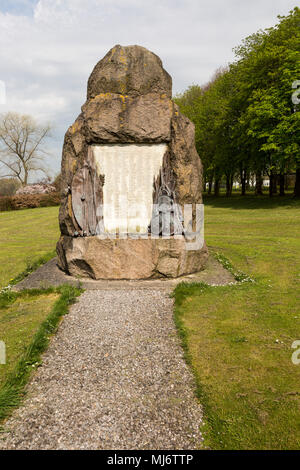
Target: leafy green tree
(268,64)
(246,122)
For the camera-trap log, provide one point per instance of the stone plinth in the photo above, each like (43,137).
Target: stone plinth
(129,258)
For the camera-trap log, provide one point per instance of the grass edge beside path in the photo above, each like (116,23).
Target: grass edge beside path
(179,294)
(214,428)
(25,237)
(13,390)
(31,266)
(238,338)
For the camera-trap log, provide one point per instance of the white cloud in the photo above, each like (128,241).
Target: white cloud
(47,57)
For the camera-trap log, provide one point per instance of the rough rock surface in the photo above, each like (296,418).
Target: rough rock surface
(131,70)
(116,118)
(129,101)
(129,259)
(49,275)
(114,377)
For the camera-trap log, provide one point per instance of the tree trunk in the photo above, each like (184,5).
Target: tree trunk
(25,178)
(229,184)
(243,182)
(248,182)
(271,185)
(204,184)
(286,182)
(281,185)
(297,184)
(210,186)
(217,187)
(258,184)
(275,177)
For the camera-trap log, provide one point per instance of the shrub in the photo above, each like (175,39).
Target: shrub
(6,203)
(29,201)
(9,186)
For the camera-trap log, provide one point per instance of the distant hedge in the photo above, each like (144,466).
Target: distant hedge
(28,201)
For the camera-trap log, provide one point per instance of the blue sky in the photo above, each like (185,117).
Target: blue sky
(18,7)
(49,47)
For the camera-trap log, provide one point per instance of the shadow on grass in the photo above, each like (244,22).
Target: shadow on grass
(236,201)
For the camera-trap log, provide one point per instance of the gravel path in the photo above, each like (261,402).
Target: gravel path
(113,377)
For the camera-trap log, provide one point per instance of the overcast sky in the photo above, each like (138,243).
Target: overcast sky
(49,47)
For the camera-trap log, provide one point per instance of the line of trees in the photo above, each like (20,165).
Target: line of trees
(247,117)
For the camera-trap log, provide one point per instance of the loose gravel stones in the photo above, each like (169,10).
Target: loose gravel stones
(113,377)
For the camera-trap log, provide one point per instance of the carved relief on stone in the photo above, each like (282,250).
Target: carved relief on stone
(167,218)
(87,199)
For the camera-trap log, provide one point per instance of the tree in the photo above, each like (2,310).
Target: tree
(57,182)
(269,63)
(22,149)
(211,110)
(189,103)
(9,186)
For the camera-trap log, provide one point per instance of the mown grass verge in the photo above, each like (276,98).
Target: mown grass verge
(241,359)
(27,239)
(31,266)
(238,338)
(13,389)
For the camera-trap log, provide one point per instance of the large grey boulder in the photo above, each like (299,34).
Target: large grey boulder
(131,70)
(128,102)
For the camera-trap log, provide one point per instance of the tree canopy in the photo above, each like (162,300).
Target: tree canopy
(246,120)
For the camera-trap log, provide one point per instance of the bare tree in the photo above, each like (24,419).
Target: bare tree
(22,149)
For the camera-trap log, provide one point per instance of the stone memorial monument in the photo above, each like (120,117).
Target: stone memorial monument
(130,175)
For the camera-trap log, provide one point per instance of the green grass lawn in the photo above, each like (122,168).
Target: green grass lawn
(238,338)
(25,236)
(19,321)
(27,319)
